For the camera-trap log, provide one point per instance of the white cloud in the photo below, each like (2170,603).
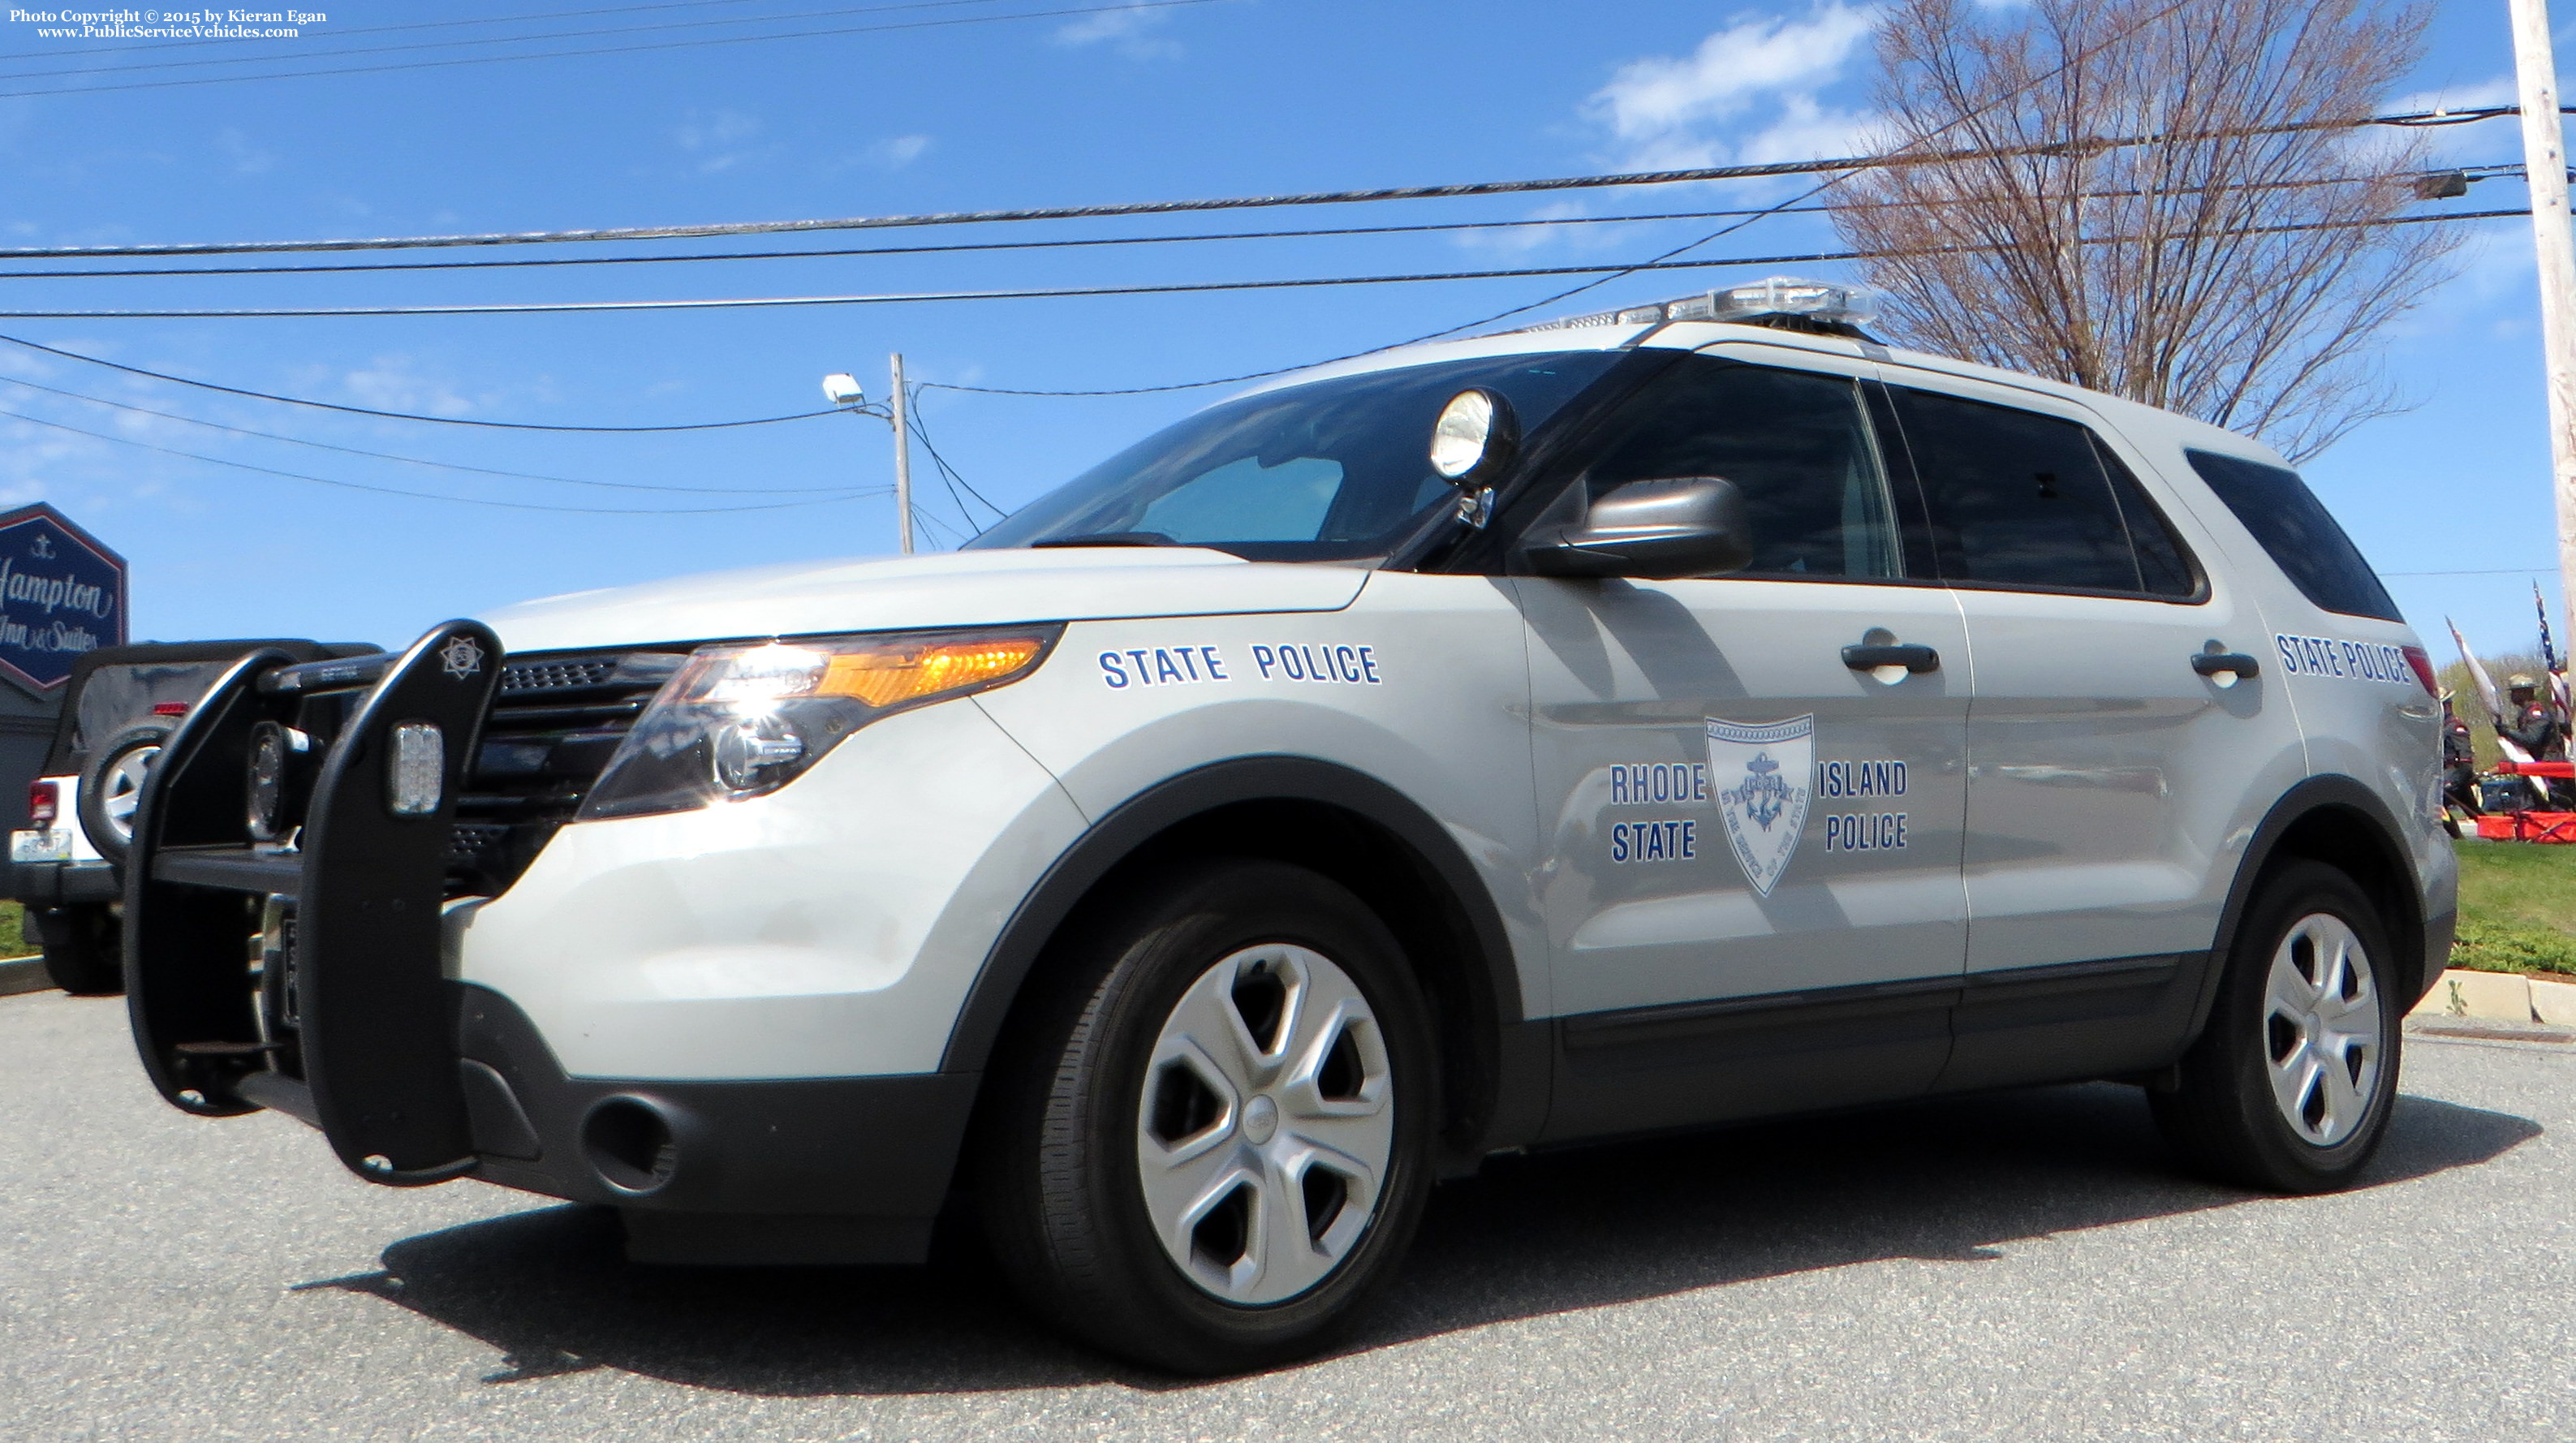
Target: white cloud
(1124,27)
(2457,144)
(1751,92)
(246,158)
(392,383)
(27,365)
(1653,100)
(1806,129)
(899,151)
(717,139)
(1522,239)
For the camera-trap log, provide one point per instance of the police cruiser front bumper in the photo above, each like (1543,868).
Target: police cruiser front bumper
(291,930)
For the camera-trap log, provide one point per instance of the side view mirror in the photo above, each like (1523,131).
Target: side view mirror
(1661,529)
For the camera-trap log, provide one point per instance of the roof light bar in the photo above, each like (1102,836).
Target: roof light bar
(1817,303)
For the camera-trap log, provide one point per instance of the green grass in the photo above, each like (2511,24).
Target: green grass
(14,941)
(2517,908)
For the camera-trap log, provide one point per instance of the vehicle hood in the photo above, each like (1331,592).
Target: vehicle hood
(962,588)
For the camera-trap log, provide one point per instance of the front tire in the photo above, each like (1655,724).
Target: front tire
(1213,1141)
(2290,1086)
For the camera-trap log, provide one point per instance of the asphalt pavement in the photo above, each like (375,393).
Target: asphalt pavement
(2020,1266)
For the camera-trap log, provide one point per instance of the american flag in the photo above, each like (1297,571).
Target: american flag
(2558,694)
(2548,652)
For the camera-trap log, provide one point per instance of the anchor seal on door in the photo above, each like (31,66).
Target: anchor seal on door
(1763,773)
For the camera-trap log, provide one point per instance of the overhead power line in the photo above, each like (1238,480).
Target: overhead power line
(699,43)
(1611,269)
(2091,145)
(1174,207)
(2473,173)
(851,495)
(955,480)
(421,460)
(1029,293)
(2437,117)
(839,253)
(308,401)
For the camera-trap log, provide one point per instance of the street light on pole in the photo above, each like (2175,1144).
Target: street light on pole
(843,390)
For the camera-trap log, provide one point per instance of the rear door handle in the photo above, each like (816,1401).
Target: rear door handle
(2234,665)
(1916,659)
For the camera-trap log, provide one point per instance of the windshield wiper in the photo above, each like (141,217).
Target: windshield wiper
(1108,538)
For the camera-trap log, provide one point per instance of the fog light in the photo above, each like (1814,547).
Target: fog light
(416,772)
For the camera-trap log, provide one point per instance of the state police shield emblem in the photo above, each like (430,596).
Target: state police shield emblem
(1761,773)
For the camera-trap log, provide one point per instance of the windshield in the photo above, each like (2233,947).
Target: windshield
(1329,471)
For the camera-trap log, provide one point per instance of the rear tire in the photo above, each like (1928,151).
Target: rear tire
(84,948)
(1185,1199)
(2290,1086)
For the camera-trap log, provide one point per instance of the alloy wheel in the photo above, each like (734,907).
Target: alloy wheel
(1267,1124)
(2321,1029)
(122,782)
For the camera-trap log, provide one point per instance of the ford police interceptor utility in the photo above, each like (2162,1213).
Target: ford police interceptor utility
(1687,714)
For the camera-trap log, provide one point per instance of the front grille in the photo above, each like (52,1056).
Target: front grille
(553,726)
(522,676)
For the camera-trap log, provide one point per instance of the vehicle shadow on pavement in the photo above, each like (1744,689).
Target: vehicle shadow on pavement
(1946,1180)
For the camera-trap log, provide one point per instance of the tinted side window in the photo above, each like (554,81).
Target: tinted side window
(1797,445)
(2019,499)
(2165,567)
(2295,529)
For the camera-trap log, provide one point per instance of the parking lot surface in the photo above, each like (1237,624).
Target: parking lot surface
(2014,1266)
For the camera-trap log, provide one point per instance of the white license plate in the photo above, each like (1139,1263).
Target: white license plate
(52,845)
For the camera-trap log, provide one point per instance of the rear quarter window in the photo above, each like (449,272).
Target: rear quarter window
(2298,533)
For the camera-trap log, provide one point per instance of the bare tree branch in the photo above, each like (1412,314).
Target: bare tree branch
(2238,269)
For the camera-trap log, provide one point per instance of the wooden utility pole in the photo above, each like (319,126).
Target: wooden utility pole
(2544,161)
(901,406)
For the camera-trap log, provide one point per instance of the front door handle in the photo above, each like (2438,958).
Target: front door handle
(1916,659)
(2226,668)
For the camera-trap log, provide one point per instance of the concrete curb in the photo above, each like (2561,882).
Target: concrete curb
(23,974)
(2507,997)
(2486,1029)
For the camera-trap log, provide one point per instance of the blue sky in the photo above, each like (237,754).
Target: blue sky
(1230,97)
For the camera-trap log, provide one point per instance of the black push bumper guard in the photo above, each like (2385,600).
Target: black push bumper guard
(304,974)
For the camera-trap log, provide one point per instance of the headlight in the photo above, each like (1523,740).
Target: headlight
(741,720)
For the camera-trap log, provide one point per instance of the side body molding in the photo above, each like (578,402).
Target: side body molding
(1497,1061)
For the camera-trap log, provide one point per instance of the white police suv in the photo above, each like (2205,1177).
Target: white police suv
(1689,714)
